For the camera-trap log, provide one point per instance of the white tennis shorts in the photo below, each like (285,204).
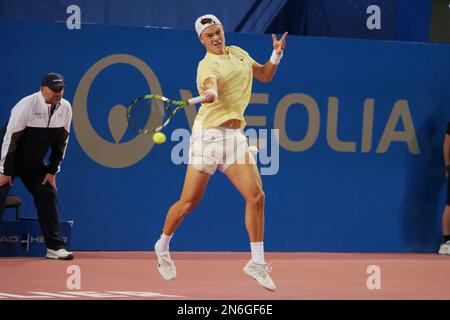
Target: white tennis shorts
(217,148)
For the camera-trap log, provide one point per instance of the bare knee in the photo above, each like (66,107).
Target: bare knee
(256,200)
(184,207)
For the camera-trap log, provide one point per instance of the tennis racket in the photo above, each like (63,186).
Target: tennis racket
(152,112)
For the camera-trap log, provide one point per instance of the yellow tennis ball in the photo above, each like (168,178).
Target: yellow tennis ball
(159,138)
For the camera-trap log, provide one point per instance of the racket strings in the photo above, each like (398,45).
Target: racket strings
(152,112)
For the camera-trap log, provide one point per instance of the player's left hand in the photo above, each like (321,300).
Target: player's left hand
(5,180)
(279,45)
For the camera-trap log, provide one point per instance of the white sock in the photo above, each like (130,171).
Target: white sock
(162,245)
(257,252)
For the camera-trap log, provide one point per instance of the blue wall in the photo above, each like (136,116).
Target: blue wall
(167,13)
(405,20)
(402,20)
(323,198)
(413,20)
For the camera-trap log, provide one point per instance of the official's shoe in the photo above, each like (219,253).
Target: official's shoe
(260,272)
(60,254)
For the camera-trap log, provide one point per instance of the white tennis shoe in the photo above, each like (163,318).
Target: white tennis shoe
(166,266)
(445,248)
(260,272)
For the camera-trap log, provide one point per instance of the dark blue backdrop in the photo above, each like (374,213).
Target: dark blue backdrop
(321,199)
(406,20)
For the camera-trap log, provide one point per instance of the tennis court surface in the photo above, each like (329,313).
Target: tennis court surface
(219,276)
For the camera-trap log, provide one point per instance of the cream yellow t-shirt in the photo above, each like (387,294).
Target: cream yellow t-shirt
(234,74)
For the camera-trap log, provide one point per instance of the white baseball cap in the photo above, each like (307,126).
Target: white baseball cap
(204,22)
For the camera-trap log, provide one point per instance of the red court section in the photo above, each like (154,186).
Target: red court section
(219,276)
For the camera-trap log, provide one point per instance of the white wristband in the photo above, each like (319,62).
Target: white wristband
(275,58)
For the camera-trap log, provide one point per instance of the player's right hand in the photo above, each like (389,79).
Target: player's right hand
(5,180)
(210,95)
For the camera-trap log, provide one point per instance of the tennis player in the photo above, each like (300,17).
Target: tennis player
(224,78)
(445,246)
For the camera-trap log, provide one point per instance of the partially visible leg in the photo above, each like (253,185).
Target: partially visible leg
(445,246)
(46,204)
(4,191)
(194,187)
(446,222)
(245,177)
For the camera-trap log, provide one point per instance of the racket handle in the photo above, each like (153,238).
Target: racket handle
(195,100)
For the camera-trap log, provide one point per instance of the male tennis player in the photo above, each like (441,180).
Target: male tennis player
(224,77)
(445,246)
(38,123)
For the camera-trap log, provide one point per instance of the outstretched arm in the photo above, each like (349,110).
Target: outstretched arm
(265,73)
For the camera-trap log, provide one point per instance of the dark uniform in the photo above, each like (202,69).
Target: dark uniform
(448,171)
(33,129)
